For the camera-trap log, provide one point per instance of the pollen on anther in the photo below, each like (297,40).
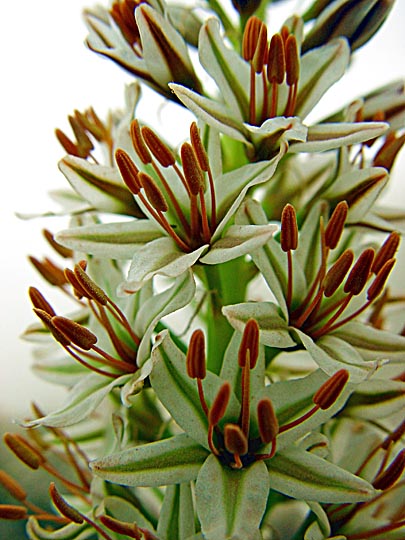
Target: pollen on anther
(249,344)
(289,229)
(267,420)
(334,228)
(220,403)
(337,272)
(331,389)
(195,359)
(360,272)
(158,148)
(153,192)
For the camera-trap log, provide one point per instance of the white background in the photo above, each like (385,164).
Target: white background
(46,73)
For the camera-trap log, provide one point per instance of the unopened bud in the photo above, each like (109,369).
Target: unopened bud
(335,225)
(195,359)
(153,192)
(219,404)
(235,440)
(387,251)
(23,450)
(392,473)
(158,148)
(337,272)
(246,7)
(64,508)
(192,171)
(75,332)
(249,344)
(289,229)
(360,272)
(267,420)
(331,389)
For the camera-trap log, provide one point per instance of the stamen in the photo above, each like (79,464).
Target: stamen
(335,225)
(92,289)
(195,359)
(360,272)
(52,273)
(12,486)
(13,512)
(378,284)
(75,332)
(386,252)
(236,443)
(267,421)
(191,169)
(337,272)
(276,66)
(23,450)
(289,242)
(64,508)
(46,318)
(394,471)
(64,252)
(121,527)
(129,171)
(39,301)
(139,144)
(250,37)
(331,389)
(249,344)
(216,412)
(158,148)
(292,66)
(153,193)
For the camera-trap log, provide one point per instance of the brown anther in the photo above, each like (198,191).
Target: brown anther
(67,144)
(334,228)
(392,473)
(386,251)
(52,273)
(219,404)
(331,389)
(276,60)
(12,486)
(380,280)
(64,508)
(121,527)
(139,144)
(13,512)
(292,61)
(195,359)
(337,272)
(289,229)
(191,169)
(39,301)
(198,147)
(260,55)
(158,148)
(250,37)
(75,332)
(77,288)
(23,450)
(387,154)
(129,171)
(46,318)
(235,440)
(249,344)
(92,289)
(284,32)
(360,272)
(267,420)
(64,252)
(153,192)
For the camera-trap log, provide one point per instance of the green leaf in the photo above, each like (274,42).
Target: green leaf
(176,518)
(110,240)
(231,503)
(99,185)
(179,393)
(82,400)
(169,461)
(238,240)
(302,475)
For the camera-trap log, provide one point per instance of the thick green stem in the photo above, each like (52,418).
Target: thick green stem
(226,284)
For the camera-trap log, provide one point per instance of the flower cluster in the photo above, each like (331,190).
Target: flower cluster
(233,360)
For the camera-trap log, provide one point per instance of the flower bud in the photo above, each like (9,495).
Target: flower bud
(246,7)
